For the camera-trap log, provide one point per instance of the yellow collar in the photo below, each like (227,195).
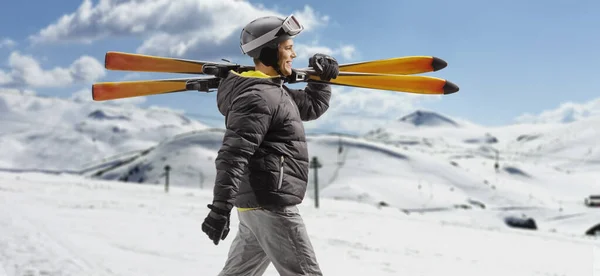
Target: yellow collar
(254,74)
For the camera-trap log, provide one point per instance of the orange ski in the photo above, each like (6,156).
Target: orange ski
(117,90)
(398,83)
(401,65)
(146,63)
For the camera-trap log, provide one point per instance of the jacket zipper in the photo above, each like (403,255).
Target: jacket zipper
(280,173)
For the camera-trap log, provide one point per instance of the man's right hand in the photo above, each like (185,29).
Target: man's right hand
(216,224)
(326,66)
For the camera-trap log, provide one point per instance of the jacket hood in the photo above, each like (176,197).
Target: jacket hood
(236,83)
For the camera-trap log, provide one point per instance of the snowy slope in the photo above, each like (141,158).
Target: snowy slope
(424,162)
(190,156)
(378,174)
(423,118)
(545,170)
(69,225)
(52,133)
(568,147)
(559,157)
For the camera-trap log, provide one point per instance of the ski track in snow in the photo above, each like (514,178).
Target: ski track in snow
(64,225)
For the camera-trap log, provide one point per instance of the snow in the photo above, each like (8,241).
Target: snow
(422,118)
(51,133)
(82,193)
(71,225)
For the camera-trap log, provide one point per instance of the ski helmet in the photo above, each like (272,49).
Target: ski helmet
(259,39)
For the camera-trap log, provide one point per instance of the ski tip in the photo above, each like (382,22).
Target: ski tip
(438,64)
(450,88)
(106,57)
(94,93)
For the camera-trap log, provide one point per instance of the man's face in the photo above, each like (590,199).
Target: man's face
(286,54)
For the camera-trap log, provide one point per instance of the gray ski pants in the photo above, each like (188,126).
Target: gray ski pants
(275,235)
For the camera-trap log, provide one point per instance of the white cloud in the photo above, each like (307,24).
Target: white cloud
(131,76)
(565,113)
(358,110)
(172,28)
(7,43)
(86,69)
(309,18)
(347,51)
(4,90)
(304,51)
(85,95)
(168,109)
(26,71)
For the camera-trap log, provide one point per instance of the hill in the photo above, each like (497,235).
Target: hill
(63,134)
(446,168)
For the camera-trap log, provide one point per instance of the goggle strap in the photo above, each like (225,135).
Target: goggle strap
(260,40)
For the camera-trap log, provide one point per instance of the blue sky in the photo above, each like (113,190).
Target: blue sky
(509,58)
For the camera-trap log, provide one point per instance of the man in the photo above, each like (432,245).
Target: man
(262,166)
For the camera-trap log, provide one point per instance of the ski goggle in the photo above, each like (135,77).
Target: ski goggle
(291,26)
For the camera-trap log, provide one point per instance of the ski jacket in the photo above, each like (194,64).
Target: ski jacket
(263,160)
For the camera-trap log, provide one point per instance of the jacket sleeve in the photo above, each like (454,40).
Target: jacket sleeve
(247,122)
(312,101)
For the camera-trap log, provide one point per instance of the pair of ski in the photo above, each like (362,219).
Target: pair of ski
(394,74)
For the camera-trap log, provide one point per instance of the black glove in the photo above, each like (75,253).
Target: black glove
(326,66)
(216,224)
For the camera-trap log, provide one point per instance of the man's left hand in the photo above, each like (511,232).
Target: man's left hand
(216,224)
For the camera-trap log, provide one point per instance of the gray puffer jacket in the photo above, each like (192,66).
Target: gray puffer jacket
(264,158)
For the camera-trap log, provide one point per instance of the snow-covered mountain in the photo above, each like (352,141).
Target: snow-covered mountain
(564,146)
(421,118)
(53,133)
(423,162)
